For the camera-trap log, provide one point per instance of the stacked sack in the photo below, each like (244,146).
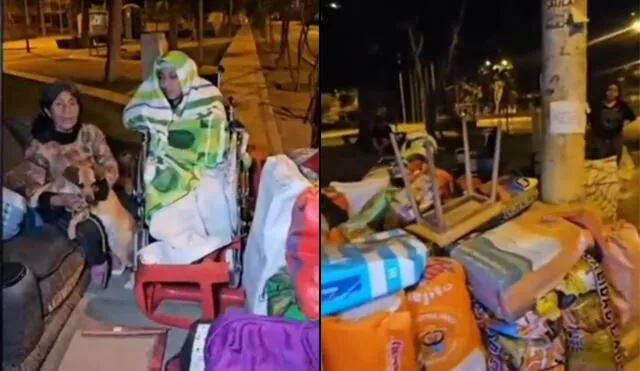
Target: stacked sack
(542,296)
(386,305)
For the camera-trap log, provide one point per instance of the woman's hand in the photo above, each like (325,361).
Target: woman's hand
(65,200)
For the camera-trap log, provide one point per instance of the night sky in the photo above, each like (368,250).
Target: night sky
(359,41)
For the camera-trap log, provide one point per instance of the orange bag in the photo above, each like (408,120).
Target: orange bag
(444,328)
(380,342)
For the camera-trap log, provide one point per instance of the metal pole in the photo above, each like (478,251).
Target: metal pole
(496,163)
(405,178)
(467,157)
(564,96)
(200,30)
(27,24)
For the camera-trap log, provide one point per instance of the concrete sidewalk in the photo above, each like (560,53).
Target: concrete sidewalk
(47,46)
(288,105)
(243,80)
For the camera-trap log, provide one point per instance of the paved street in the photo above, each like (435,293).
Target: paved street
(290,106)
(46,59)
(21,96)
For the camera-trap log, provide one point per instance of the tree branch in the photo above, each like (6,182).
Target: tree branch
(456,37)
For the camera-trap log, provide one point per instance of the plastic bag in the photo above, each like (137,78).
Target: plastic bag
(303,251)
(281,297)
(355,273)
(380,342)
(602,186)
(629,200)
(529,343)
(511,266)
(621,265)
(444,328)
(370,218)
(590,321)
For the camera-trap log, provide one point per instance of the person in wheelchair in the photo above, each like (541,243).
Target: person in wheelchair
(189,190)
(61,141)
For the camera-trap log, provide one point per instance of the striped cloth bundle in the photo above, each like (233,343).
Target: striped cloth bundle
(184,140)
(368,268)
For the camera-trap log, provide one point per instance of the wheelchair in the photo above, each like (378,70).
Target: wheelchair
(246,175)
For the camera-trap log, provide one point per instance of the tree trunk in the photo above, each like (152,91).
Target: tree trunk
(43,25)
(112,67)
(284,43)
(84,27)
(200,31)
(27,22)
(564,95)
(174,13)
(72,30)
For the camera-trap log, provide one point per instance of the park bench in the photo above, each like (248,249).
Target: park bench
(96,43)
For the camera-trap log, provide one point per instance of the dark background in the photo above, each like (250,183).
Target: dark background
(360,40)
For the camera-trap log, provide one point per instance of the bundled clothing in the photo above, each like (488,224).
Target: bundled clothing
(190,190)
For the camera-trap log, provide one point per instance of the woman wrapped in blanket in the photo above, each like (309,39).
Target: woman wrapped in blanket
(190,190)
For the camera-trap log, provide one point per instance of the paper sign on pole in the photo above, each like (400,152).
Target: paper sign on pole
(567,117)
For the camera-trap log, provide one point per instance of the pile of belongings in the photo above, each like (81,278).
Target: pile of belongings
(281,276)
(629,196)
(539,288)
(379,202)
(282,253)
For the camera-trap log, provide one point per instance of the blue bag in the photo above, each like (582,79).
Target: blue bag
(368,268)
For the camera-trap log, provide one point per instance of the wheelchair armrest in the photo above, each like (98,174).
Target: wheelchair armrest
(236,126)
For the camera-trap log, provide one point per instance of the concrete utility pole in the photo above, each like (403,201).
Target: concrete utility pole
(563,84)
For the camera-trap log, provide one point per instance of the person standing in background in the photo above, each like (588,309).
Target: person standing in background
(607,120)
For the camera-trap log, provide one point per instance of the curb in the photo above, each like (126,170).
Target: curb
(103,94)
(267,116)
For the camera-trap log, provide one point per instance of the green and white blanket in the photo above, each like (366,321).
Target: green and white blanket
(183,141)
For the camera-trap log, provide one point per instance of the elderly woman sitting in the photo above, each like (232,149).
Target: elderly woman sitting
(60,141)
(190,189)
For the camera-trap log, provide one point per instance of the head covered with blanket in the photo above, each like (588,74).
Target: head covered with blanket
(184,117)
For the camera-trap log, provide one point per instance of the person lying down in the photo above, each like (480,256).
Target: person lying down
(190,190)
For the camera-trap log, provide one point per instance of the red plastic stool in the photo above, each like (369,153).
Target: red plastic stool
(158,282)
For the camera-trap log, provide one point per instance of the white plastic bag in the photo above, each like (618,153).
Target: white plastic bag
(280,184)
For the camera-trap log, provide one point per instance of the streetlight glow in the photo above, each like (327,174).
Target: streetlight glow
(635,26)
(334,5)
(487,63)
(505,62)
